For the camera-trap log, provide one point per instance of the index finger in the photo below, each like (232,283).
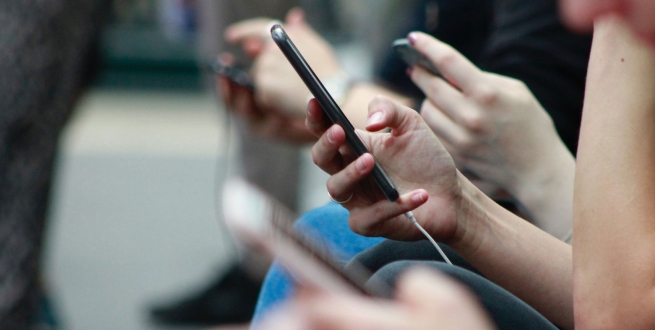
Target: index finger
(385,113)
(317,121)
(456,68)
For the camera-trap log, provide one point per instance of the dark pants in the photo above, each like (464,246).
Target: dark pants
(389,259)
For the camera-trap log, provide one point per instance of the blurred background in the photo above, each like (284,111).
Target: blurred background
(133,216)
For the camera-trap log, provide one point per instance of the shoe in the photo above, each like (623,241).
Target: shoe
(229,300)
(45,317)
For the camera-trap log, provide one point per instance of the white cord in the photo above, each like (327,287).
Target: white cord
(411,218)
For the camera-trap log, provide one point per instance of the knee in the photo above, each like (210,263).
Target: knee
(318,219)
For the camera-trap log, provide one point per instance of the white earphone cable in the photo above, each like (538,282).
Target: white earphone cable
(411,218)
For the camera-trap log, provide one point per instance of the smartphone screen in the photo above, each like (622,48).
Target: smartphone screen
(330,107)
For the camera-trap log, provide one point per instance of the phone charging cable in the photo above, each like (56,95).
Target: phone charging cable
(411,218)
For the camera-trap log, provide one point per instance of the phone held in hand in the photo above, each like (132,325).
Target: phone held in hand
(330,106)
(411,56)
(264,225)
(236,74)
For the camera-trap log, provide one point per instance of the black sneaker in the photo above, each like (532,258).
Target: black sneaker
(229,300)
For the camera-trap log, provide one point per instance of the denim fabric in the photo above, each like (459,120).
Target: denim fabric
(328,226)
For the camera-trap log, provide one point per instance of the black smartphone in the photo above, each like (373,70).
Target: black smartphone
(234,73)
(330,107)
(411,56)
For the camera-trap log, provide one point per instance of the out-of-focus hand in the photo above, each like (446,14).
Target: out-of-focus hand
(424,300)
(259,120)
(415,161)
(277,83)
(491,125)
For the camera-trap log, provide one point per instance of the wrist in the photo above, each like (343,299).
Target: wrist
(554,167)
(547,194)
(471,216)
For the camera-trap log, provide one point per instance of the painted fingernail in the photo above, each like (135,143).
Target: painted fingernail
(418,197)
(360,164)
(375,118)
(412,37)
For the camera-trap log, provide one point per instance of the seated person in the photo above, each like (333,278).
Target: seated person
(549,59)
(611,253)
(490,153)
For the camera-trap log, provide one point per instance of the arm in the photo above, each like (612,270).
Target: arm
(496,129)
(280,95)
(614,213)
(510,251)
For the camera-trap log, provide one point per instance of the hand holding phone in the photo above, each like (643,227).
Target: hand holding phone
(233,72)
(265,226)
(412,57)
(330,106)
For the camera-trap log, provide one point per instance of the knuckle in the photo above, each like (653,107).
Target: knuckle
(475,122)
(355,226)
(485,96)
(448,58)
(378,212)
(331,189)
(434,89)
(465,143)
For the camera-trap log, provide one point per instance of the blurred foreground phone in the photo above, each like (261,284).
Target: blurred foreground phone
(234,73)
(265,226)
(330,107)
(411,56)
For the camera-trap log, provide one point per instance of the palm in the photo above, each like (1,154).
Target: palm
(414,159)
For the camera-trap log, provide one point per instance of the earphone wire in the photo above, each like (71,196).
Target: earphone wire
(411,218)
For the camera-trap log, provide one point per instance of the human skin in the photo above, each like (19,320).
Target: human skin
(614,240)
(495,128)
(280,95)
(505,137)
(638,15)
(511,252)
(423,299)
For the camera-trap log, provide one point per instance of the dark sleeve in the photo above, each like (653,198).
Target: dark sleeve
(530,43)
(463,24)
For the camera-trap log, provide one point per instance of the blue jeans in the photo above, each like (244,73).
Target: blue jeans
(328,225)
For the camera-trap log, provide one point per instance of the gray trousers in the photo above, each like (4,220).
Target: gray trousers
(389,259)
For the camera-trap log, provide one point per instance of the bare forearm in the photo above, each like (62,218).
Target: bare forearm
(518,256)
(356,104)
(614,212)
(548,195)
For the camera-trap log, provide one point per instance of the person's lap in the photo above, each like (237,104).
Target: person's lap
(386,260)
(506,310)
(328,226)
(389,259)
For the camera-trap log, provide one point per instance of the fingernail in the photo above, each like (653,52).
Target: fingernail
(409,71)
(330,136)
(375,118)
(360,164)
(418,197)
(412,37)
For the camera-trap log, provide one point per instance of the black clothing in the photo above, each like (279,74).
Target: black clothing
(521,39)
